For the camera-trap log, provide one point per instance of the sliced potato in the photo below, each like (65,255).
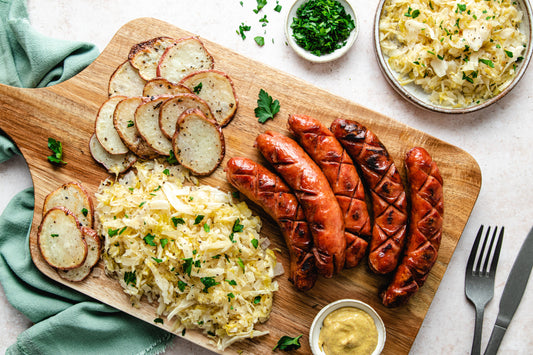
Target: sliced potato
(216,88)
(94,246)
(114,163)
(73,197)
(187,55)
(124,121)
(160,86)
(145,56)
(147,122)
(126,81)
(198,142)
(60,239)
(175,106)
(105,129)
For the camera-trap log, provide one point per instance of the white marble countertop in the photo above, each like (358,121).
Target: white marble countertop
(498,137)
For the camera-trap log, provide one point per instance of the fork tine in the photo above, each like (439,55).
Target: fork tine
(472,257)
(485,269)
(478,269)
(494,263)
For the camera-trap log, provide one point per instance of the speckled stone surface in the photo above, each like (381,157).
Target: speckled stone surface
(498,137)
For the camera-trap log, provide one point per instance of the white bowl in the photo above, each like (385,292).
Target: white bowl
(327,57)
(416,94)
(317,324)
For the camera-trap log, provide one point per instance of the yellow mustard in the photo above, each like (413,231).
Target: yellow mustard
(348,331)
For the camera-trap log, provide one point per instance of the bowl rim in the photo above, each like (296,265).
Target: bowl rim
(316,326)
(412,97)
(350,9)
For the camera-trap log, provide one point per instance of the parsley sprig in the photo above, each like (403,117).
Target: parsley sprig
(266,108)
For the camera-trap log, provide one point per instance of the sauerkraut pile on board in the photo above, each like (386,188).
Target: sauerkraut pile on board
(193,250)
(460,52)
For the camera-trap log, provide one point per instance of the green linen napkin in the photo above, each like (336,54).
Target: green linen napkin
(65,321)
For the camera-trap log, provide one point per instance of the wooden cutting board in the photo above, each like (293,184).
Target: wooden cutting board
(67,113)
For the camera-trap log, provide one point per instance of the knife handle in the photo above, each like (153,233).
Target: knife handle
(495,339)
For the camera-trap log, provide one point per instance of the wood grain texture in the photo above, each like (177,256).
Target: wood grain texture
(67,112)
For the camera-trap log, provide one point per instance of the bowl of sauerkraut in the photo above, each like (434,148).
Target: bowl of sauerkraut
(453,56)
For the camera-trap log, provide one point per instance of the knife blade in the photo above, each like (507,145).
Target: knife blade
(512,293)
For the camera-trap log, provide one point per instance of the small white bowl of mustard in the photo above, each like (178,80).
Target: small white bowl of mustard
(349,327)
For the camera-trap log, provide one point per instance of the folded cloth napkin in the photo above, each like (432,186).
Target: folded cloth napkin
(65,321)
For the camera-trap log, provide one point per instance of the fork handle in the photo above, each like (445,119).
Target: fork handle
(476,344)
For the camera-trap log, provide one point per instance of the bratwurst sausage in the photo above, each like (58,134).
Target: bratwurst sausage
(268,191)
(387,193)
(322,146)
(312,190)
(425,230)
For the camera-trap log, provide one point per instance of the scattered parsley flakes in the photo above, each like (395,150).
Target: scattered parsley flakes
(257,300)
(54,235)
(112,232)
(266,108)
(166,172)
(85,211)
(278,7)
(158,320)
(241,264)
(131,123)
(57,148)
(163,242)
(487,62)
(508,53)
(243,28)
(260,5)
(230,296)
(171,159)
(159,261)
(232,282)
(207,229)
(260,40)
(255,243)
(187,266)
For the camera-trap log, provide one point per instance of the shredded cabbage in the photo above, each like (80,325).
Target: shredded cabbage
(460,52)
(193,250)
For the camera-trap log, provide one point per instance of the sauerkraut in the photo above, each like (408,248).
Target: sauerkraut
(459,52)
(193,250)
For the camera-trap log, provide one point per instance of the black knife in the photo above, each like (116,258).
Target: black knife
(512,293)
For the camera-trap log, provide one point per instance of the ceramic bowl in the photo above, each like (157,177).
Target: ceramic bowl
(416,94)
(317,324)
(327,57)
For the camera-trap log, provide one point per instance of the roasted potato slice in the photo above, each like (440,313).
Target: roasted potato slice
(126,81)
(124,122)
(215,88)
(147,123)
(160,86)
(94,246)
(145,56)
(187,55)
(60,239)
(198,142)
(105,129)
(73,197)
(114,163)
(175,106)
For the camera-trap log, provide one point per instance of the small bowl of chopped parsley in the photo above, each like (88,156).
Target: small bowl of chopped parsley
(321,30)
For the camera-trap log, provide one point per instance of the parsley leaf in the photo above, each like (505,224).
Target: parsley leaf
(260,5)
(181,285)
(197,88)
(487,62)
(163,242)
(57,148)
(130,278)
(85,211)
(266,107)
(171,159)
(198,219)
(187,266)
(288,343)
(243,28)
(177,220)
(149,239)
(260,40)
(255,243)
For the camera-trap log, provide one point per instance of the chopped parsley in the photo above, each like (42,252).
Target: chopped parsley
(54,235)
(266,108)
(85,211)
(159,261)
(177,220)
(57,148)
(149,239)
(171,159)
(321,26)
(112,232)
(255,243)
(260,40)
(130,278)
(207,229)
(182,285)
(208,282)
(187,266)
(412,13)
(230,296)
(232,282)
(197,88)
(163,242)
(198,219)
(158,320)
(487,62)
(241,264)
(131,123)
(257,300)
(243,28)
(260,5)
(508,53)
